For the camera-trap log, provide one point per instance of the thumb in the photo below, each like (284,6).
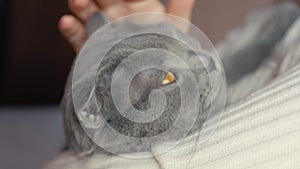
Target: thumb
(181,8)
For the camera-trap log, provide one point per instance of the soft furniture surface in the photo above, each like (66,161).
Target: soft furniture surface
(29,137)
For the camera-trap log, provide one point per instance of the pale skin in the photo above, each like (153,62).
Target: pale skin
(73,27)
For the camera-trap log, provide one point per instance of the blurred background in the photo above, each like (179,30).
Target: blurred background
(35,61)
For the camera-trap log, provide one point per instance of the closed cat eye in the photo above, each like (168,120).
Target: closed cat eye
(169,78)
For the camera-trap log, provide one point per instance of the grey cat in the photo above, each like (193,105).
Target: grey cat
(140,88)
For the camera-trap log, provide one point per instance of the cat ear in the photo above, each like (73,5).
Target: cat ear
(88,114)
(77,140)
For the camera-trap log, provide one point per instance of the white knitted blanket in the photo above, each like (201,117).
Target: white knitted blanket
(261,131)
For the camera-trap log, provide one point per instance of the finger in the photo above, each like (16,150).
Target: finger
(83,9)
(73,31)
(122,8)
(106,3)
(181,8)
(145,5)
(115,11)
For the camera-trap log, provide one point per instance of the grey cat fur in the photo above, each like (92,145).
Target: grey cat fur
(77,139)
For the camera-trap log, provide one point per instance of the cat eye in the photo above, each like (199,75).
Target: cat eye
(169,78)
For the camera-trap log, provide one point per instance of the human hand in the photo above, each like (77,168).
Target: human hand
(73,28)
